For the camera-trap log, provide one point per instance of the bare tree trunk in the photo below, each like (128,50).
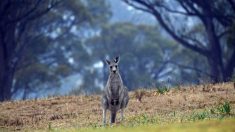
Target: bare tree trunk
(230,66)
(2,71)
(7,46)
(216,61)
(5,77)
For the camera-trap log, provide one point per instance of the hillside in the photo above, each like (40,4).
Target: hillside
(181,104)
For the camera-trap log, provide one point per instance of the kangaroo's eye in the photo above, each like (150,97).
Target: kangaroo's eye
(116,66)
(111,67)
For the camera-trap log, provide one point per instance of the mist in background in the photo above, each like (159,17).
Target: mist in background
(59,47)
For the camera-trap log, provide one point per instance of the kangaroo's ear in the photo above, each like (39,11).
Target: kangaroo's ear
(116,60)
(107,61)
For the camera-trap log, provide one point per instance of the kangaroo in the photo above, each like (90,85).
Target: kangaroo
(115,96)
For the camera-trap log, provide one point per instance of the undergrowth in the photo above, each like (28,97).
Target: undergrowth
(163,90)
(218,112)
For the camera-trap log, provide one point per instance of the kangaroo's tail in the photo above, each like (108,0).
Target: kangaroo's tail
(113,117)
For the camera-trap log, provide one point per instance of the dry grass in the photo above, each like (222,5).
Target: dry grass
(83,111)
(139,94)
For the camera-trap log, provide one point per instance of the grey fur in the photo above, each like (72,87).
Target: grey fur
(115,96)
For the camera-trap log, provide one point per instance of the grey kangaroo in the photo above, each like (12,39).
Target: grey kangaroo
(115,96)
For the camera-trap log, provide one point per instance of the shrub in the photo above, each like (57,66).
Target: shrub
(225,108)
(163,90)
(200,116)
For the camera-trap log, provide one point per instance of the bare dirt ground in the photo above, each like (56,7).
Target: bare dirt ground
(83,111)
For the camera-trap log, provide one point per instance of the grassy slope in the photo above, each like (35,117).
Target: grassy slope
(179,105)
(213,126)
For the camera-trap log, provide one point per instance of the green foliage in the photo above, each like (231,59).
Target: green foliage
(225,108)
(141,48)
(53,48)
(163,90)
(49,127)
(200,116)
(174,113)
(196,36)
(142,120)
(218,112)
(94,125)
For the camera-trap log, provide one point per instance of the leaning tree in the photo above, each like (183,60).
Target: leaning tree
(205,27)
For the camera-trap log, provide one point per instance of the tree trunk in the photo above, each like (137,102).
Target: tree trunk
(214,70)
(229,69)
(2,71)
(5,77)
(7,48)
(215,56)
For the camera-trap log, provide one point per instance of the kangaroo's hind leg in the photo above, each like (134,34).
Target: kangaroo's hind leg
(122,114)
(104,116)
(104,107)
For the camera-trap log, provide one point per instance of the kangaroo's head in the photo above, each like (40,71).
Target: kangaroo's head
(113,65)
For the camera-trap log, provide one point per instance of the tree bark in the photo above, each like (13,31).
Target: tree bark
(2,71)
(13,20)
(5,76)
(229,69)
(7,48)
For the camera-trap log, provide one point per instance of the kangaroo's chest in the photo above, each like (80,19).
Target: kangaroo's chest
(114,86)
(115,81)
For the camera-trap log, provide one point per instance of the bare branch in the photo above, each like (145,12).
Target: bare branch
(136,7)
(29,14)
(232,3)
(161,21)
(44,11)
(197,42)
(191,68)
(187,13)
(171,32)
(159,70)
(223,33)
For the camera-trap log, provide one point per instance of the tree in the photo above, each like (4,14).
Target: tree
(41,39)
(59,52)
(204,28)
(144,53)
(15,17)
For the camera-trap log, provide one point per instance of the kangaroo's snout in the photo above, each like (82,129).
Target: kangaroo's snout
(113,69)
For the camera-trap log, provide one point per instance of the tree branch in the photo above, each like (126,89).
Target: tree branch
(44,11)
(29,14)
(223,34)
(136,7)
(159,70)
(187,13)
(194,40)
(192,68)
(158,16)
(232,3)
